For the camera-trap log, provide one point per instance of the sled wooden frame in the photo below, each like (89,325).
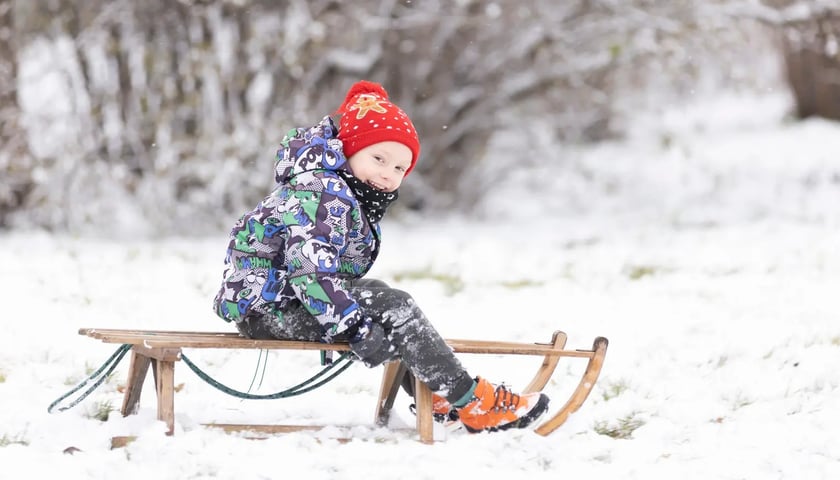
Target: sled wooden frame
(161,349)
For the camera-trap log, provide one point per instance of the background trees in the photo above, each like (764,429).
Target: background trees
(810,40)
(159,115)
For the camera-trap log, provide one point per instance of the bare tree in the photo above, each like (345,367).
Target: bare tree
(811,48)
(16,180)
(176,106)
(808,35)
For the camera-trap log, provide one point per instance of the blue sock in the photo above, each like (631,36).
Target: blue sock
(466,398)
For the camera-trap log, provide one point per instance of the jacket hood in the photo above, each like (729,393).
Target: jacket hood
(305,150)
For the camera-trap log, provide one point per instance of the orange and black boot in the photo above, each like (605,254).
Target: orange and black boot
(493,408)
(442,410)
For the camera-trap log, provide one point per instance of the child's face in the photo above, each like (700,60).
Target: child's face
(381,165)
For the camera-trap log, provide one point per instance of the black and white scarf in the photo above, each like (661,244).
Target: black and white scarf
(373,202)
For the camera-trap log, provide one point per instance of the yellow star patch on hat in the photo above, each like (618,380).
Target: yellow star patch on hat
(365,103)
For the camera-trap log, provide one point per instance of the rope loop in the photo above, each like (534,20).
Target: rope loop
(303,387)
(105,370)
(109,365)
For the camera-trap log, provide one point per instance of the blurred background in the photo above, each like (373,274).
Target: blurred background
(163,116)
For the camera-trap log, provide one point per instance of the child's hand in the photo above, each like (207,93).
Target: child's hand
(371,344)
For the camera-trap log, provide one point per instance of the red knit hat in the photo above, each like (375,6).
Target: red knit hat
(368,117)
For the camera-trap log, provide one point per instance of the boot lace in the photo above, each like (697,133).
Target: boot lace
(505,399)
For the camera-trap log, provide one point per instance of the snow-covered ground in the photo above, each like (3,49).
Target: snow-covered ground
(705,247)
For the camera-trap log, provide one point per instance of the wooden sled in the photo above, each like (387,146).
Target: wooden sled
(162,349)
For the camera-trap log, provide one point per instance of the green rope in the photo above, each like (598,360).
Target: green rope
(298,389)
(110,365)
(261,362)
(118,355)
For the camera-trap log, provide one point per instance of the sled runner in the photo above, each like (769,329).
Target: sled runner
(162,349)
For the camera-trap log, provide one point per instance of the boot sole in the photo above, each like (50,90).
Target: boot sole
(522,422)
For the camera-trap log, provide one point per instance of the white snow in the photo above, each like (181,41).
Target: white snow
(705,247)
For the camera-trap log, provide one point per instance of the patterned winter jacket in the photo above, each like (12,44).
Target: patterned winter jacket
(303,241)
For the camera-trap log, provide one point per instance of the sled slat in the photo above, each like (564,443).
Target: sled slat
(174,339)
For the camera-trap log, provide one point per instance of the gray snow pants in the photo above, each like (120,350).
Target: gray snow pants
(417,343)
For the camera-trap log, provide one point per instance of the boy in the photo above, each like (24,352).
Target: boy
(295,263)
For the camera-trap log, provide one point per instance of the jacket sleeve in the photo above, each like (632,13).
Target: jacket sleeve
(319,222)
